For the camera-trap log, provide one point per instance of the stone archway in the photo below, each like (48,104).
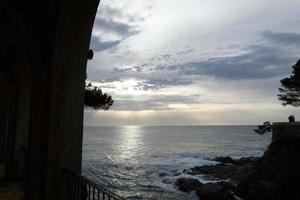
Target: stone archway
(49,91)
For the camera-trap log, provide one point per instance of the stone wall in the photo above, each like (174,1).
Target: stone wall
(285,130)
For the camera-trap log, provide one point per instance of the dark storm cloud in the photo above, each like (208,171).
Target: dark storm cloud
(158,102)
(283,38)
(97,44)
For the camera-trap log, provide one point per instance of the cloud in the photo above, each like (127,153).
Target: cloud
(98,44)
(150,83)
(258,62)
(120,28)
(113,12)
(157,102)
(159,83)
(112,26)
(110,11)
(126,69)
(185,51)
(161,62)
(292,39)
(109,26)
(227,116)
(263,60)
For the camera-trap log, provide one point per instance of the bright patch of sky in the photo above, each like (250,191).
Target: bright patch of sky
(193,62)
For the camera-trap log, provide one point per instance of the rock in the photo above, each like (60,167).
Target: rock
(188,184)
(161,174)
(219,171)
(247,160)
(214,191)
(227,185)
(234,172)
(276,175)
(261,190)
(241,161)
(168,181)
(224,160)
(210,191)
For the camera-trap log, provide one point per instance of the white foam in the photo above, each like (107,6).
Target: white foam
(181,161)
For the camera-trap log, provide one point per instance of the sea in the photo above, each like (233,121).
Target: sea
(143,162)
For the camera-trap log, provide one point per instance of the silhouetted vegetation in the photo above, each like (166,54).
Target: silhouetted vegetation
(95,98)
(291,88)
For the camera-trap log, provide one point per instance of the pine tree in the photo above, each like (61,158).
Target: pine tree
(290,90)
(95,98)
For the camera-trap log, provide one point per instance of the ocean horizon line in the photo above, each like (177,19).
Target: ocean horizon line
(202,125)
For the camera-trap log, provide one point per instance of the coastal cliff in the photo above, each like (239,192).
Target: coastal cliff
(274,176)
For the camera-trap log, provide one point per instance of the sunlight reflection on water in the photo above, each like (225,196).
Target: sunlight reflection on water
(131,144)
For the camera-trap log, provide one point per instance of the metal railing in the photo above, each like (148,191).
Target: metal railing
(78,187)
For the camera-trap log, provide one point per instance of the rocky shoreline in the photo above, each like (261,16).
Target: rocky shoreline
(274,176)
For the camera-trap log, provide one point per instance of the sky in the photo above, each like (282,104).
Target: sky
(193,62)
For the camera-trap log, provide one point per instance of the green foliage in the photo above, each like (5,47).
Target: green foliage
(95,98)
(291,88)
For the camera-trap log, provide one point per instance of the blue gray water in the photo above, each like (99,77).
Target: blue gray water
(142,162)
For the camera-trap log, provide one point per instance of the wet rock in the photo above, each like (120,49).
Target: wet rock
(214,191)
(188,184)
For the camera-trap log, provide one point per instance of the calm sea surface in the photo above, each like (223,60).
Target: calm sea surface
(143,162)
